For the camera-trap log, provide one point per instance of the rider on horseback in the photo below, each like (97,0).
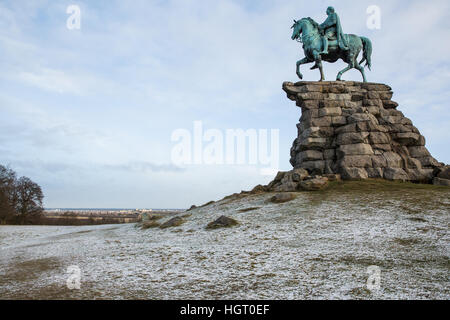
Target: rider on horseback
(314,38)
(331,29)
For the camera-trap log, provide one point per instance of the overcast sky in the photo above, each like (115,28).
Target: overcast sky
(89,113)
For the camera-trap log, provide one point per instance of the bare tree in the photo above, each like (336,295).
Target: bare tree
(20,199)
(7,194)
(28,201)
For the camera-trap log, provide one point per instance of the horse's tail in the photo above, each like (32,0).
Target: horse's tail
(367,52)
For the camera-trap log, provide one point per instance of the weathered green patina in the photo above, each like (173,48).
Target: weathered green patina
(327,42)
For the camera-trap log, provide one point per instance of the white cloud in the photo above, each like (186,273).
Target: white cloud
(52,80)
(111,93)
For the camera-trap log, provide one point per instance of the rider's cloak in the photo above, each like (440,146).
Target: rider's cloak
(329,24)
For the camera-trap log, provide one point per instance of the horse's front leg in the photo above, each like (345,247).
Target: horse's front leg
(318,60)
(299,63)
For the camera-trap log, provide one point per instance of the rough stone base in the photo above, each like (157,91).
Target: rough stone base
(299,180)
(354,129)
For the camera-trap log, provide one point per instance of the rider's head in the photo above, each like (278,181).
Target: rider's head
(330,10)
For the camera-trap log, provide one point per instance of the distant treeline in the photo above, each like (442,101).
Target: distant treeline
(20,199)
(70,218)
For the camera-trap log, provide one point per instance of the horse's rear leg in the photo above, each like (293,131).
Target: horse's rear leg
(361,69)
(351,64)
(339,75)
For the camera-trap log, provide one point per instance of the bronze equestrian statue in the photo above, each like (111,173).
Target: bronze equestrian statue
(327,42)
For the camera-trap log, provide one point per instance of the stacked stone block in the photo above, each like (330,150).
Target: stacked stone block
(354,129)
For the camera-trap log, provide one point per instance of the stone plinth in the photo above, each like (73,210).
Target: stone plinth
(354,129)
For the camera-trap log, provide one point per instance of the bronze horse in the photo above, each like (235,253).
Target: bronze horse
(307,31)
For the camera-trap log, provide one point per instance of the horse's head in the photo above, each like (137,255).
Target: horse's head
(297,26)
(305,25)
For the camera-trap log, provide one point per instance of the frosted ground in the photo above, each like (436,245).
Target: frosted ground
(317,246)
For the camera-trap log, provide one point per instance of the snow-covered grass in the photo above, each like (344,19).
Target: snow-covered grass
(317,246)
